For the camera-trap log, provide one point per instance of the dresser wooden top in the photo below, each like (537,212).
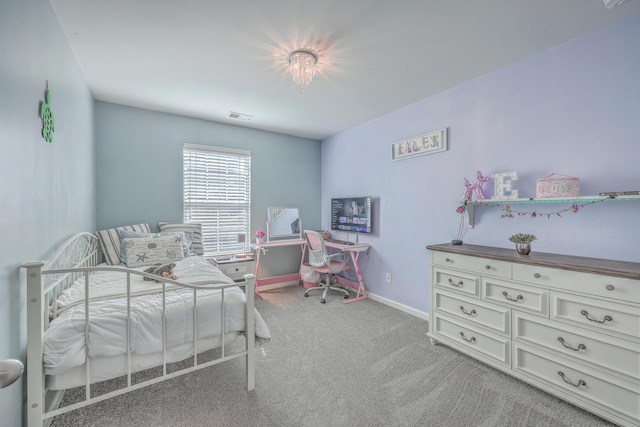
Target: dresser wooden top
(608,267)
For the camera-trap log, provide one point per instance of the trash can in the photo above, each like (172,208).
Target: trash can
(309,276)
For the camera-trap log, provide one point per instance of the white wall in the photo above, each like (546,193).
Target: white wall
(47,190)
(570,110)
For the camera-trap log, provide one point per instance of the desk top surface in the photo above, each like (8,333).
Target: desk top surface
(356,247)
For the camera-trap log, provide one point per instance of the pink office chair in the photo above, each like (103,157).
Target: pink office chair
(322,262)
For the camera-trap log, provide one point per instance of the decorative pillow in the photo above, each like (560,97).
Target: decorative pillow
(153,250)
(110,241)
(184,236)
(196,246)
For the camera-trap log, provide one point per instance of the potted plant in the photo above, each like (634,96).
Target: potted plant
(523,242)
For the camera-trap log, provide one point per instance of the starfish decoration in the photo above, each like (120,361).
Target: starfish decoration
(142,258)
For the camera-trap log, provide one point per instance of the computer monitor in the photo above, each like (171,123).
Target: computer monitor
(351,214)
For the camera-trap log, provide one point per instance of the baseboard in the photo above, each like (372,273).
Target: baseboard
(409,310)
(277,285)
(386,301)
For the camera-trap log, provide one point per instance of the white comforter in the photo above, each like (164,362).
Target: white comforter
(64,340)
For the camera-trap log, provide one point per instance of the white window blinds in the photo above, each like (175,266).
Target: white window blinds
(217,194)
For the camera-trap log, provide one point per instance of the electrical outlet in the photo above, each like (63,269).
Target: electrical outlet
(388,278)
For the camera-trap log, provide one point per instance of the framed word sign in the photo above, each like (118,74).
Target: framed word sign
(427,143)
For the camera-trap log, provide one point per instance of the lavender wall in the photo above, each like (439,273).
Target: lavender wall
(570,110)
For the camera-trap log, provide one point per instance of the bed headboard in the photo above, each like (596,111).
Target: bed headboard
(80,250)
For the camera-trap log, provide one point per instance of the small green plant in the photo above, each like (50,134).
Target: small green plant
(522,238)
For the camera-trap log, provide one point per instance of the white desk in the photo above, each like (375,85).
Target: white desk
(354,251)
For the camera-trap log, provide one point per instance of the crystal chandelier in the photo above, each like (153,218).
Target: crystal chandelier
(302,66)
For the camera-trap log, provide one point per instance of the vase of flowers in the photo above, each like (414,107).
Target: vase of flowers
(461,210)
(523,242)
(259,236)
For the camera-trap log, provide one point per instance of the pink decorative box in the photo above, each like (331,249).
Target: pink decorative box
(567,186)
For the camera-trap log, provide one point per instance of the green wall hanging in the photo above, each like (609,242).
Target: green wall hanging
(46,115)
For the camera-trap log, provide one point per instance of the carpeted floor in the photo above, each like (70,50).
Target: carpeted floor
(360,364)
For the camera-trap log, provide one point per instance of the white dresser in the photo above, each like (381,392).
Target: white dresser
(567,325)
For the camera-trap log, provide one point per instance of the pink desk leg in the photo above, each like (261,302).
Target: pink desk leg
(255,288)
(359,296)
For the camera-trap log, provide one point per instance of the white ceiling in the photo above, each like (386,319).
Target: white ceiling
(204,58)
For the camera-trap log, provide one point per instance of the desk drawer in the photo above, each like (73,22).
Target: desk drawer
(603,316)
(620,288)
(490,345)
(466,283)
(490,316)
(482,266)
(522,297)
(589,386)
(613,354)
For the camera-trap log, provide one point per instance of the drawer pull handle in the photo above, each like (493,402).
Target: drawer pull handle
(581,382)
(610,287)
(457,285)
(488,267)
(516,299)
(472,339)
(580,346)
(537,275)
(469,313)
(447,260)
(607,318)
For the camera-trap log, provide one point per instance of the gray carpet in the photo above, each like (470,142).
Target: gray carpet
(360,364)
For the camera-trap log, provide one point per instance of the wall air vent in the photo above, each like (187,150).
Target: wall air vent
(239,116)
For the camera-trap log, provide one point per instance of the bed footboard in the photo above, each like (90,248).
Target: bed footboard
(79,256)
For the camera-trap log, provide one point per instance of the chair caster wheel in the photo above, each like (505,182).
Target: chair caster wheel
(306,294)
(322,301)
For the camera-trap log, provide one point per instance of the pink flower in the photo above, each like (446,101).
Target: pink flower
(259,233)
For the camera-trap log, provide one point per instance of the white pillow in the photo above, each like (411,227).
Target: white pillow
(142,251)
(197,247)
(110,241)
(185,237)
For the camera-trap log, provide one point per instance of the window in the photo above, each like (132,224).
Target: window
(217,194)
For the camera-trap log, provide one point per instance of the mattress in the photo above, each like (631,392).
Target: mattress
(66,344)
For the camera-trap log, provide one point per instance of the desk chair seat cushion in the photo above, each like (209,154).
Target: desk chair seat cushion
(335,266)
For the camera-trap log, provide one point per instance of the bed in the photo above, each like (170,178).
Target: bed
(90,323)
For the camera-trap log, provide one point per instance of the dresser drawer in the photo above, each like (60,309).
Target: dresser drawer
(523,297)
(493,346)
(458,281)
(613,354)
(598,315)
(476,265)
(591,387)
(236,271)
(490,316)
(595,284)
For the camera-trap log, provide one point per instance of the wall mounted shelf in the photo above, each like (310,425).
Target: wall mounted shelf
(470,205)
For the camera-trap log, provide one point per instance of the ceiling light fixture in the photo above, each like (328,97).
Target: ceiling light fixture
(302,66)
(612,3)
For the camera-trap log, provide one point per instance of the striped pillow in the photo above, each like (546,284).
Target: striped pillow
(196,229)
(110,241)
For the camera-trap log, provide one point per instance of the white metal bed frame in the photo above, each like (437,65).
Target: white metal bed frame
(77,257)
